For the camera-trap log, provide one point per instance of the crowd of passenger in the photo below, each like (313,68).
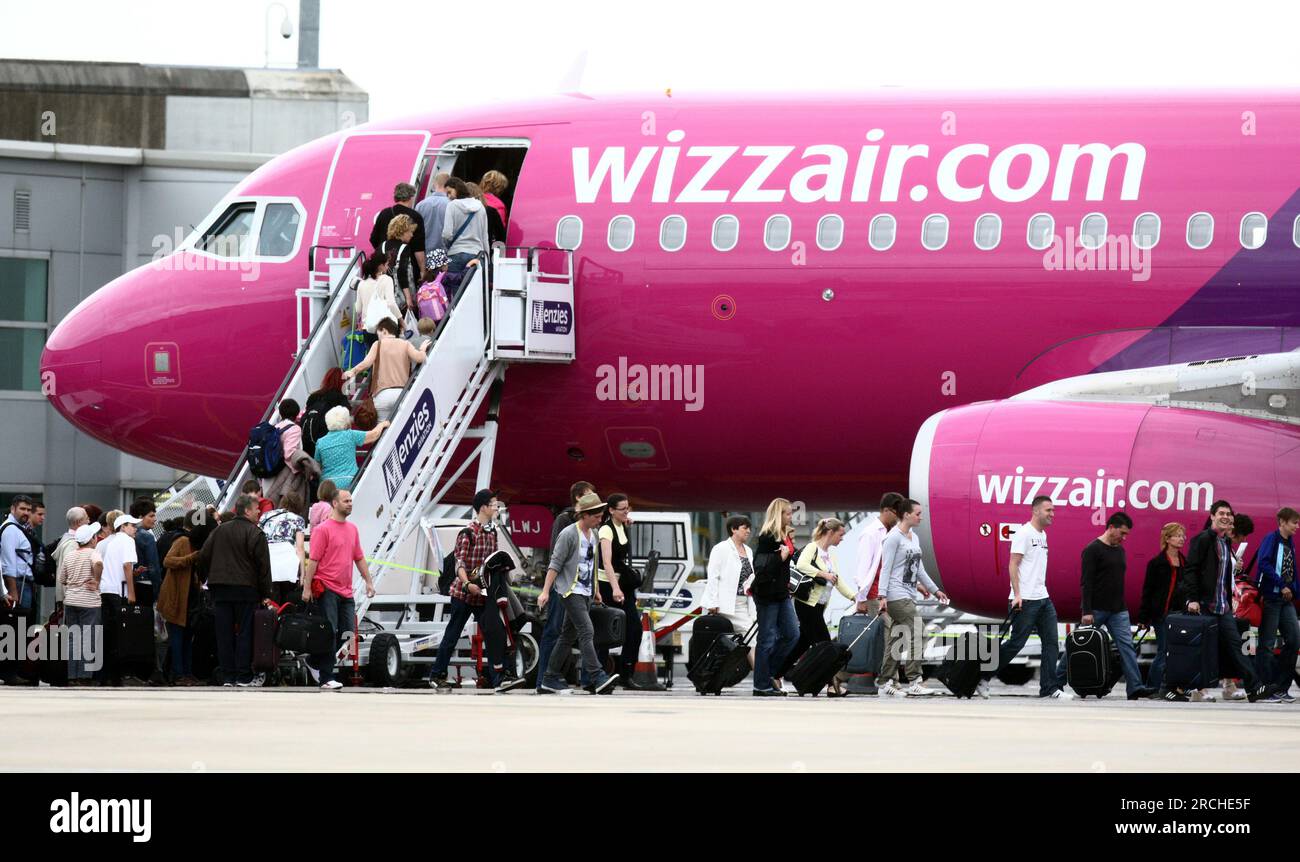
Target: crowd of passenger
(207,572)
(200,582)
(288,538)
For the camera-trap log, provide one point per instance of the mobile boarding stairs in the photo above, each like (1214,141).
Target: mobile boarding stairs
(511,312)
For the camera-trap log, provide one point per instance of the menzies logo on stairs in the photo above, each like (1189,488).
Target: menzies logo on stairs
(415,433)
(552,318)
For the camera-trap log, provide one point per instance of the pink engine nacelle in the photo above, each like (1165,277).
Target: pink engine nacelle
(976,469)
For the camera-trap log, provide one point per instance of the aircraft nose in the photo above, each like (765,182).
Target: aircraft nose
(71,364)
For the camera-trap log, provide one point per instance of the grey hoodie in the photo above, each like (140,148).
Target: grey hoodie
(474,238)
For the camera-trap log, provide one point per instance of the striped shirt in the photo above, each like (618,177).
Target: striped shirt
(77,575)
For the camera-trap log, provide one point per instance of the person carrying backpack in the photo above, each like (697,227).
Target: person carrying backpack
(328,396)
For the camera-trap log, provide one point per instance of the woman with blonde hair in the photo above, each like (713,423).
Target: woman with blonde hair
(818,571)
(493,184)
(1159,594)
(778,628)
(400,250)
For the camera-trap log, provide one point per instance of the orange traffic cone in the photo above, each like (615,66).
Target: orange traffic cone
(645,676)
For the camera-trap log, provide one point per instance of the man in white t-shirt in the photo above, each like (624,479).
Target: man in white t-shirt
(1031,608)
(118,554)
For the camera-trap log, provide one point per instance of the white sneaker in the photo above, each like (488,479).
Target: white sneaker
(982,689)
(917,689)
(1062,694)
(889,688)
(332,685)
(1202,696)
(1234,693)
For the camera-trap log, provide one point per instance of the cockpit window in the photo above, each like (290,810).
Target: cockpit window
(279,231)
(228,236)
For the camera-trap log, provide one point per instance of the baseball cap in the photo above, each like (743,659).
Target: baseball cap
(123,520)
(86,532)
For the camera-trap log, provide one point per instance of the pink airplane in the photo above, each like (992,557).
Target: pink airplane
(843,268)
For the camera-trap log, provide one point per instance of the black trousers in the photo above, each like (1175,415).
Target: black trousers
(812,629)
(1232,663)
(110,614)
(631,636)
(234,624)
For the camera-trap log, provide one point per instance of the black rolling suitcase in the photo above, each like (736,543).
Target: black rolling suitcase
(704,631)
(202,623)
(1091,661)
(724,664)
(963,666)
(610,625)
(821,662)
(135,634)
(1191,651)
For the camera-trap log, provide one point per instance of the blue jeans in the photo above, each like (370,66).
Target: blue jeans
(1120,629)
(490,626)
(1156,675)
(778,632)
(180,643)
(341,614)
(1035,615)
(1276,614)
(550,634)
(459,261)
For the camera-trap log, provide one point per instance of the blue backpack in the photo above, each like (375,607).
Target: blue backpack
(265,453)
(354,349)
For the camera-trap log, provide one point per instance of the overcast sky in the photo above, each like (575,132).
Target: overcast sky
(414,56)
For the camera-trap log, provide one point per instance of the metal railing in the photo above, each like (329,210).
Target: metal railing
(299,355)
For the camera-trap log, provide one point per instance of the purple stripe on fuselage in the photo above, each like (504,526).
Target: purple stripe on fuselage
(1251,305)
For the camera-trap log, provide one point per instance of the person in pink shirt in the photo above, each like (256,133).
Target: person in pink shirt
(290,442)
(320,510)
(335,548)
(290,433)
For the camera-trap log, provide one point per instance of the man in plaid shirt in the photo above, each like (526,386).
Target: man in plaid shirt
(474,544)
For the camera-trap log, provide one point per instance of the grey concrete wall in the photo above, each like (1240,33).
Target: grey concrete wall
(92,222)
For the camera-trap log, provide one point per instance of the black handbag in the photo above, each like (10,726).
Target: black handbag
(801,585)
(629,580)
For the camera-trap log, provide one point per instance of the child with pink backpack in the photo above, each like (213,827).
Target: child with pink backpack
(432,297)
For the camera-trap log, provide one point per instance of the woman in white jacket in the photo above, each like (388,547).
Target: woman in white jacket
(731,570)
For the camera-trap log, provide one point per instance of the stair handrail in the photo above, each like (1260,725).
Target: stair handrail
(298,356)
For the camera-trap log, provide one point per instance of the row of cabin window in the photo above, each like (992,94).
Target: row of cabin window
(934,232)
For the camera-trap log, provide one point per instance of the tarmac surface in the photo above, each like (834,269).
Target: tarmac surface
(409,730)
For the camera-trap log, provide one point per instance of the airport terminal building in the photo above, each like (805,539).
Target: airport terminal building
(104,166)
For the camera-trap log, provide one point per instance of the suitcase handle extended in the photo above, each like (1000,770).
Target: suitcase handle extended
(865,629)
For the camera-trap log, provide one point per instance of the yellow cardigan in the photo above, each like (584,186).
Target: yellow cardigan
(807,565)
